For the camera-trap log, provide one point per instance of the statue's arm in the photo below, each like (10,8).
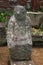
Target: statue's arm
(29,30)
(10,35)
(29,23)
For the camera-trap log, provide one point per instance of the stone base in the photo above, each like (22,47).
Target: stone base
(22,63)
(20,52)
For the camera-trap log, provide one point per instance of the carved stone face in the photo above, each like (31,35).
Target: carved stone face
(20,12)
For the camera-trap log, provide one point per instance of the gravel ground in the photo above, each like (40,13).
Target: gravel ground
(37,56)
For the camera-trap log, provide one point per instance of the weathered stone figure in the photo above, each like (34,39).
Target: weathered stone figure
(19,35)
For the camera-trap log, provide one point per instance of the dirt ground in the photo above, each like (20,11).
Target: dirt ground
(37,56)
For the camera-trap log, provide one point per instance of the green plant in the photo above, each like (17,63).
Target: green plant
(4,14)
(3,17)
(9,12)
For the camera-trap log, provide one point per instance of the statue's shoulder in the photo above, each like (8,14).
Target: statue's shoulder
(12,18)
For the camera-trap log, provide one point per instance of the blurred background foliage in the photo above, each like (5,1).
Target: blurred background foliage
(4,14)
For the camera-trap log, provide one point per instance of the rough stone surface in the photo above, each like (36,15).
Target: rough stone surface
(19,35)
(22,52)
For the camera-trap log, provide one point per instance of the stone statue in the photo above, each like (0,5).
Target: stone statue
(19,35)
